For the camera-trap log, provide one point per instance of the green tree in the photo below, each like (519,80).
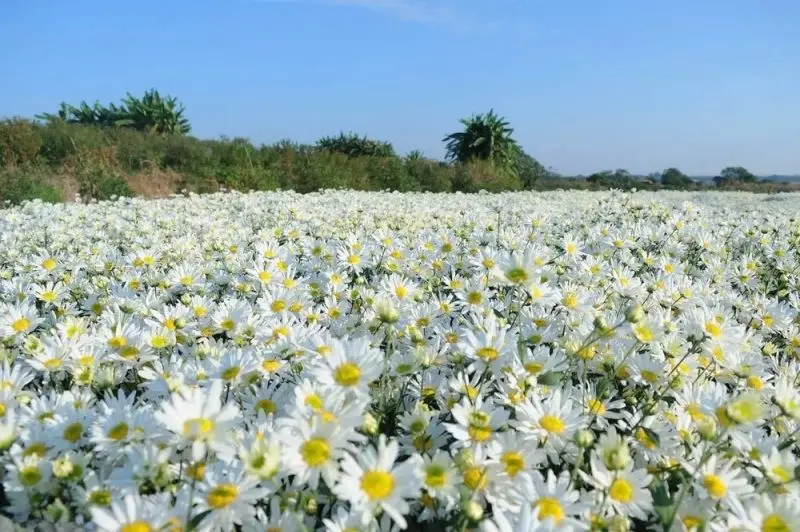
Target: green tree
(353,145)
(673,177)
(528,169)
(152,113)
(486,137)
(734,174)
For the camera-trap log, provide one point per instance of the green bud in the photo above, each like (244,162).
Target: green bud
(370,425)
(707,427)
(584,438)
(634,314)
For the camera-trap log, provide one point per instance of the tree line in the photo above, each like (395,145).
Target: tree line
(143,145)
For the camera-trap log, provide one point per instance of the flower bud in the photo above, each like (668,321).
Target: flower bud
(474,511)
(311,506)
(619,523)
(370,425)
(62,467)
(617,458)
(707,427)
(601,324)
(634,314)
(584,438)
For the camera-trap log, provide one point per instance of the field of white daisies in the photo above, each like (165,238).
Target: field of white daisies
(351,361)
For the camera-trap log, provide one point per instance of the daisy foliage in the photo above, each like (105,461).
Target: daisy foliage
(354,361)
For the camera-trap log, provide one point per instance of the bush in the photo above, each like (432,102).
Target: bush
(104,161)
(21,185)
(20,142)
(478,175)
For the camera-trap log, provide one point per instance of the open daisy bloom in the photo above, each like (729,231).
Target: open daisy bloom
(347,361)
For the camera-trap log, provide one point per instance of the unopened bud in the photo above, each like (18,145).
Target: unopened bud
(584,438)
(619,523)
(618,458)
(707,427)
(311,506)
(62,467)
(370,425)
(601,324)
(474,511)
(635,314)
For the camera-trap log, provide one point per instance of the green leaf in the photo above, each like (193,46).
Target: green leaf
(196,520)
(652,436)
(661,496)
(551,378)
(664,513)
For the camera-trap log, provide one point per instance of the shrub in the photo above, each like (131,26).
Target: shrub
(20,142)
(353,145)
(26,184)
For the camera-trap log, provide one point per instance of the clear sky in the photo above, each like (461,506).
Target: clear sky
(587,84)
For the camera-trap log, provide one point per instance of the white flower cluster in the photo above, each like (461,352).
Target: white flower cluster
(349,361)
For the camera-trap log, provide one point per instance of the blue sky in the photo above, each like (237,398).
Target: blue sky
(587,84)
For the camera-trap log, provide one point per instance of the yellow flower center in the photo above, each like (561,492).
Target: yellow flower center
(267,406)
(30,475)
(197,427)
(21,325)
(649,376)
(119,431)
(692,522)
(782,474)
(645,439)
(517,275)
(136,526)
(35,449)
(315,452)
(774,523)
(100,497)
(643,333)
(115,342)
(475,478)
(314,401)
(552,424)
(196,471)
(479,428)
(513,463)
(222,496)
(53,363)
(755,382)
(596,407)
(158,341)
(570,300)
(533,368)
(746,409)
(231,373)
(73,432)
(377,484)
(48,296)
(621,491)
(487,353)
(549,507)
(435,476)
(715,486)
(227,324)
(271,365)
(347,374)
(713,329)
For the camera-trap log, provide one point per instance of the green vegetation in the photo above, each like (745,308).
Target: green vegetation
(142,147)
(151,113)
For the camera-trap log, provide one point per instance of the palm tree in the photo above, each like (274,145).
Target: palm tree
(485,136)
